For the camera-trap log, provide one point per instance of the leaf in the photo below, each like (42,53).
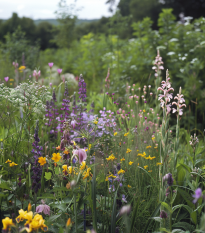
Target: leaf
(114,211)
(152,216)
(62,207)
(48,175)
(56,170)
(186,226)
(187,197)
(187,168)
(158,219)
(167,206)
(53,218)
(94,200)
(194,217)
(189,209)
(147,173)
(9,197)
(199,161)
(134,215)
(164,229)
(5,185)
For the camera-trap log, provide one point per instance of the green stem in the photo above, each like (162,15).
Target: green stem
(75,211)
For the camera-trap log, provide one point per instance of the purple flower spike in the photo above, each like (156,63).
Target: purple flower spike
(170,180)
(6,79)
(50,64)
(59,71)
(197,195)
(163,214)
(73,123)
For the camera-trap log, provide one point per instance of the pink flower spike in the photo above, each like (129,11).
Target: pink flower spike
(50,64)
(59,71)
(6,79)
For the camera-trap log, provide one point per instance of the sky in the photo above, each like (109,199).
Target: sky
(44,9)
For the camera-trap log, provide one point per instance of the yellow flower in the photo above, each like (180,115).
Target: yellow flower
(145,167)
(148,147)
(129,186)
(12,164)
(65,168)
(86,174)
(112,176)
(56,157)
(7,222)
(144,110)
(68,222)
(22,68)
(121,172)
(155,147)
(128,151)
(138,164)
(130,163)
(126,134)
(150,171)
(115,133)
(28,216)
(95,122)
(111,157)
(159,164)
(137,150)
(122,159)
(153,138)
(66,152)
(21,216)
(68,185)
(90,145)
(86,150)
(8,161)
(58,148)
(83,165)
(42,160)
(70,170)
(29,207)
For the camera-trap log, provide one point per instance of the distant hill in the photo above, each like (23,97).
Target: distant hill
(55,21)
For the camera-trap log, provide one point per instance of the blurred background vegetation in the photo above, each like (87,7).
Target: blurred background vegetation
(126,43)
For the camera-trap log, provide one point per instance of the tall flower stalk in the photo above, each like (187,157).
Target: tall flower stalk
(179,104)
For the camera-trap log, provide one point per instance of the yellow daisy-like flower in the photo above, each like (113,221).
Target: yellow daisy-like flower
(138,164)
(145,167)
(58,148)
(129,186)
(148,147)
(21,68)
(128,151)
(126,134)
(121,172)
(155,147)
(8,161)
(153,138)
(150,171)
(90,145)
(159,164)
(130,163)
(95,122)
(111,157)
(86,174)
(115,133)
(12,164)
(66,152)
(56,157)
(42,160)
(122,159)
(144,110)
(83,165)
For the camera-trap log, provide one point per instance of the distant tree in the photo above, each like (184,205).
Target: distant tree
(194,8)
(27,25)
(45,34)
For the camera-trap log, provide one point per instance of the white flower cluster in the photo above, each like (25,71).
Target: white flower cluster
(26,95)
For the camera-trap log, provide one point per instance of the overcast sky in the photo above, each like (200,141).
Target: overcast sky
(42,9)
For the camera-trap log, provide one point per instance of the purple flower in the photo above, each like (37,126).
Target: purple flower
(123,198)
(163,214)
(59,71)
(73,123)
(50,64)
(43,209)
(50,84)
(81,153)
(197,195)
(6,79)
(170,180)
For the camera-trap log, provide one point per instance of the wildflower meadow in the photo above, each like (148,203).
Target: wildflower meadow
(124,160)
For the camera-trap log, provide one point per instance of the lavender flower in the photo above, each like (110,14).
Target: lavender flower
(43,208)
(123,198)
(197,195)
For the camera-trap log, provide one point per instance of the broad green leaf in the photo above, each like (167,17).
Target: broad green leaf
(5,185)
(48,175)
(167,206)
(53,218)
